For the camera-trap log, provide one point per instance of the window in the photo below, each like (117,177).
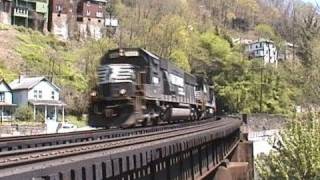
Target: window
(35,94)
(52,94)
(58,8)
(1,96)
(261,53)
(40,94)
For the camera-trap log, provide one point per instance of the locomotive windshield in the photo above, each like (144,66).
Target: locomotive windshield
(116,73)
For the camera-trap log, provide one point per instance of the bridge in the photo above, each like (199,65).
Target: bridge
(198,150)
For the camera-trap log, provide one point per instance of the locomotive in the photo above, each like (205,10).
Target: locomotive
(138,88)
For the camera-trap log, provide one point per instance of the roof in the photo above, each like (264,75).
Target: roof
(149,53)
(5,83)
(261,40)
(47,102)
(28,83)
(6,104)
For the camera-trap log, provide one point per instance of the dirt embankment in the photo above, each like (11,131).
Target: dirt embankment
(8,42)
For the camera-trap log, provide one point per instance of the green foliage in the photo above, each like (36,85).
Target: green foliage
(216,46)
(76,121)
(24,113)
(241,85)
(5,73)
(265,31)
(296,154)
(180,58)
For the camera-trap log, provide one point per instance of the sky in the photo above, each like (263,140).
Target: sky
(313,1)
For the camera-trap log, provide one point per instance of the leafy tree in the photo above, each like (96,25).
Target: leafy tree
(241,85)
(180,58)
(296,153)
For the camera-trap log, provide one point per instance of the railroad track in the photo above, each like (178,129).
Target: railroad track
(44,140)
(29,156)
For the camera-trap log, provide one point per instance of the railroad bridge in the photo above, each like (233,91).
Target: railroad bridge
(197,150)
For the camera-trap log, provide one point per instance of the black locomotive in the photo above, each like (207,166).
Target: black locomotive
(136,87)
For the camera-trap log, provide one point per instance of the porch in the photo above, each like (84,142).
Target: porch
(49,110)
(7,112)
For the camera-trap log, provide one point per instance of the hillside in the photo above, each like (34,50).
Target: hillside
(71,64)
(197,36)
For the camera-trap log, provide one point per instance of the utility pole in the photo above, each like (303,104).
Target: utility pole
(261,88)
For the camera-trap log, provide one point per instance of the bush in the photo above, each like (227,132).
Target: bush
(296,152)
(24,113)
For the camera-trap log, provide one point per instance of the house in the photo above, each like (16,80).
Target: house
(7,108)
(41,94)
(263,49)
(30,13)
(5,11)
(58,18)
(91,18)
(288,52)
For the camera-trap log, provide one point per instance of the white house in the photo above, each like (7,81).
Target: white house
(41,94)
(263,49)
(6,106)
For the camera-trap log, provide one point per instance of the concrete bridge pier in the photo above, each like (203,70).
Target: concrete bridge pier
(239,165)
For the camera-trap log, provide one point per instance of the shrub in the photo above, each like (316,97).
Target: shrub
(24,113)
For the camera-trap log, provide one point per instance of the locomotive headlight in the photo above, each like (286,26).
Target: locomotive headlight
(122,91)
(93,94)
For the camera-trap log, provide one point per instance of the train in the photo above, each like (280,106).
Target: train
(138,88)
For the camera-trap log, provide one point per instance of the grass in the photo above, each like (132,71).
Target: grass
(41,51)
(74,120)
(5,73)
(4,27)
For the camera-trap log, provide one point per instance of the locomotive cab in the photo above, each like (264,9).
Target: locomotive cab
(205,98)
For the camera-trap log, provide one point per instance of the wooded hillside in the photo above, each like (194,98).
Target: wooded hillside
(195,34)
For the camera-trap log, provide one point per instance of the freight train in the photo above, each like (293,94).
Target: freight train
(138,88)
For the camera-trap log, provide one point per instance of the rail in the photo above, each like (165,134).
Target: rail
(94,157)
(44,140)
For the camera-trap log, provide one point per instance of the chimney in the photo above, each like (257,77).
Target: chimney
(21,77)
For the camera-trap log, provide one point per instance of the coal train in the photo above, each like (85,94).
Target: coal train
(138,88)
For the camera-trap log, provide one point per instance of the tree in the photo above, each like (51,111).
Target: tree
(296,152)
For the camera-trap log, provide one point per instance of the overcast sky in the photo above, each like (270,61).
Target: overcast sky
(313,1)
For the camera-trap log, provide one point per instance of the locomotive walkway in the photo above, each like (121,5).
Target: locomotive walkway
(186,152)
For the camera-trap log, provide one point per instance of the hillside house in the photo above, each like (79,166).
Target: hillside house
(58,18)
(7,108)
(31,13)
(287,53)
(42,95)
(263,49)
(5,11)
(91,18)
